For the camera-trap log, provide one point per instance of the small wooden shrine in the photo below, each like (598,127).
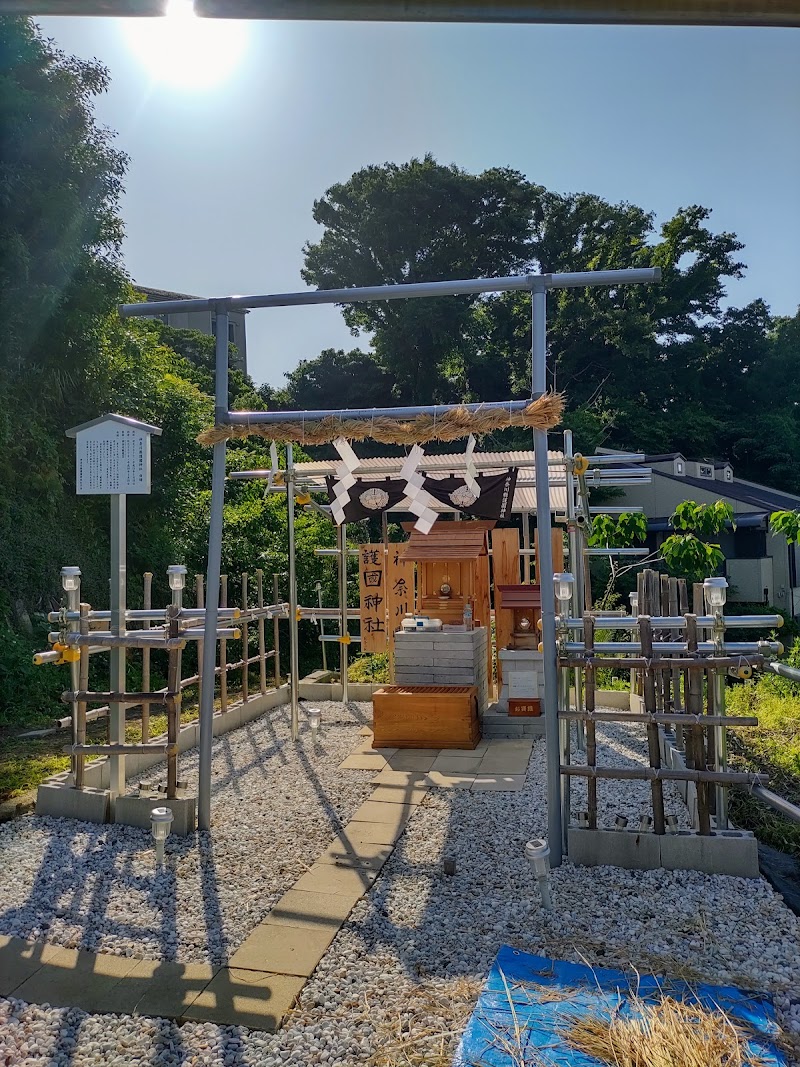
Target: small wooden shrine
(452,570)
(523,603)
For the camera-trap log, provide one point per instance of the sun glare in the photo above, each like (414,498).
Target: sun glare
(185,51)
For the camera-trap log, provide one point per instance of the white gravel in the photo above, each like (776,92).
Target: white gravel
(417,948)
(274,811)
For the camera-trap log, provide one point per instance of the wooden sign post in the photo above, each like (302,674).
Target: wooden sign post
(372,587)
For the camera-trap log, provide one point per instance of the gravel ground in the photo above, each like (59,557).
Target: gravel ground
(97,887)
(408,965)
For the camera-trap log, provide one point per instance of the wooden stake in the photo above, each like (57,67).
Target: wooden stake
(653,749)
(147,602)
(695,748)
(223,649)
(173,705)
(591,729)
(80,709)
(262,658)
(245,641)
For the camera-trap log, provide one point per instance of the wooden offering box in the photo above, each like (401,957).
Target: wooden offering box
(425,716)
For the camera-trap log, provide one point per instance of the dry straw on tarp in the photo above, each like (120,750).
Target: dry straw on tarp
(541,414)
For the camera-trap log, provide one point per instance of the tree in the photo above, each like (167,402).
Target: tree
(60,278)
(622,532)
(420,221)
(335,379)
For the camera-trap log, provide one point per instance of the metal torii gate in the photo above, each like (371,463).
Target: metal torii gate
(538,286)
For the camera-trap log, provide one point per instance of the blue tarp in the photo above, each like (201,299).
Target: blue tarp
(528,1000)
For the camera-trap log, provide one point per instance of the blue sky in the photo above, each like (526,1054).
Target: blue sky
(223,177)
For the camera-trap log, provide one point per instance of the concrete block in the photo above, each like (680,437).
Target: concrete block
(732,852)
(313,911)
(498,783)
(413,759)
(135,811)
(613,848)
(88,805)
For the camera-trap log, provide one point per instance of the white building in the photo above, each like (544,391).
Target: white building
(203,321)
(760,566)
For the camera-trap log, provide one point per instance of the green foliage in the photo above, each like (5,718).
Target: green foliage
(786,523)
(687,554)
(703,519)
(621,531)
(370,668)
(689,557)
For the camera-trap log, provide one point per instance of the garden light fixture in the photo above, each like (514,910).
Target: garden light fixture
(70,579)
(634,599)
(716,593)
(537,853)
(564,584)
(314,720)
(620,822)
(177,576)
(160,825)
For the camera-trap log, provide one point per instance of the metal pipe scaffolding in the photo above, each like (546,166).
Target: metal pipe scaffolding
(538,285)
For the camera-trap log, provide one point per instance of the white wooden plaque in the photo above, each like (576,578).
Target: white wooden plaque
(111,458)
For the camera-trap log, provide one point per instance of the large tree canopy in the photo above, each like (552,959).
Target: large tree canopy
(660,368)
(421,221)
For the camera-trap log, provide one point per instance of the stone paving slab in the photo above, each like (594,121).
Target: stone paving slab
(388,776)
(363,761)
(283,949)
(19,959)
(499,783)
(413,759)
(312,911)
(400,794)
(348,882)
(348,851)
(443,780)
(457,764)
(254,999)
(373,811)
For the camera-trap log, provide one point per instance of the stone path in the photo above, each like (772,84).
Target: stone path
(264,976)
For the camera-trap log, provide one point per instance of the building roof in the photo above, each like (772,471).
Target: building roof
(167,294)
(456,540)
(757,496)
(454,464)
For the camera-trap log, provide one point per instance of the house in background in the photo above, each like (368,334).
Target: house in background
(203,321)
(760,566)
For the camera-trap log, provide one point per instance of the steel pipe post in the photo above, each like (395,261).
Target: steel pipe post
(545,571)
(343,632)
(294,659)
(212,581)
(116,711)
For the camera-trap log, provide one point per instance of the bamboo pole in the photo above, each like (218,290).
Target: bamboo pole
(262,659)
(223,649)
(276,631)
(663,718)
(653,749)
(173,706)
(245,641)
(591,731)
(147,603)
(695,746)
(80,708)
(664,774)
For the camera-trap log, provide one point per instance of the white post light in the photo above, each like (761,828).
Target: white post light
(177,576)
(620,822)
(634,599)
(160,824)
(645,824)
(564,584)
(314,720)
(70,579)
(537,853)
(716,591)
(583,819)
(672,824)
